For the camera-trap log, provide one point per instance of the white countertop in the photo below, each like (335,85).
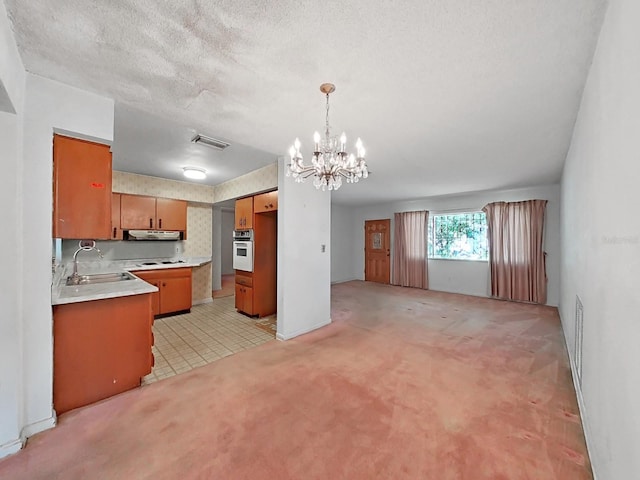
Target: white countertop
(63,294)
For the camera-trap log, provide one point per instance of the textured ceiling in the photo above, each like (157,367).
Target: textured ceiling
(447,96)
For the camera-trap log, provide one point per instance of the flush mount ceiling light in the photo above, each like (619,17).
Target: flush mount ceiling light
(330,162)
(195,173)
(209,141)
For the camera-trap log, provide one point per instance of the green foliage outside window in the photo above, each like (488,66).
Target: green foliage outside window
(458,236)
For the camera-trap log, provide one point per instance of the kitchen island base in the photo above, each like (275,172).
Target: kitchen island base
(101,348)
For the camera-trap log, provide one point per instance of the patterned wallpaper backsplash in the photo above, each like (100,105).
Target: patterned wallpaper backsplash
(265,178)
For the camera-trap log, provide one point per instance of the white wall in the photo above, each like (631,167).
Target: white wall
(12,77)
(304,271)
(341,243)
(49,106)
(601,245)
(468,277)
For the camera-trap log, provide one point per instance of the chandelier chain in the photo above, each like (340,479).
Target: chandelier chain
(327,130)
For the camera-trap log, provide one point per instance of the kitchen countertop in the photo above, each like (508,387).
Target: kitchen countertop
(62,294)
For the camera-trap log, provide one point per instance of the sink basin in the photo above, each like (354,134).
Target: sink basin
(99,278)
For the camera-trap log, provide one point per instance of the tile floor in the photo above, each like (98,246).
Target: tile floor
(210,332)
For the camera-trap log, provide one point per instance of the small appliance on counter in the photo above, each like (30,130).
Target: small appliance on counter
(243,250)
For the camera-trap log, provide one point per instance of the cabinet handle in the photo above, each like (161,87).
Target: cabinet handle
(160,224)
(151,223)
(271,205)
(164,284)
(114,232)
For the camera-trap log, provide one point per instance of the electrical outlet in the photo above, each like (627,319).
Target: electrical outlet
(323,248)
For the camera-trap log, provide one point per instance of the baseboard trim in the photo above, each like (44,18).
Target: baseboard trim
(11,447)
(39,426)
(201,302)
(302,331)
(581,405)
(335,282)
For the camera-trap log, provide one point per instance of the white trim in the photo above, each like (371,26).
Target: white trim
(581,405)
(281,336)
(40,426)
(201,302)
(11,447)
(334,282)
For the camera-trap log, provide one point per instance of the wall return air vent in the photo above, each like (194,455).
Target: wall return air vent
(211,142)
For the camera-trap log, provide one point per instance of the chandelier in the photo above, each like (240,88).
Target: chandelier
(330,162)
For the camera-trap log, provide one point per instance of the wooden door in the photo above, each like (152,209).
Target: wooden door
(137,212)
(81,189)
(171,214)
(377,250)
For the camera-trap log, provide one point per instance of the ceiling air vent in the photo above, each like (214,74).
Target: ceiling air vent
(211,142)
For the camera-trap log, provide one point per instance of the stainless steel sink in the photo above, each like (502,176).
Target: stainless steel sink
(99,278)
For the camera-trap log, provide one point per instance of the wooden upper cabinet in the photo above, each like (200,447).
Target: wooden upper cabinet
(116,231)
(81,189)
(244,213)
(171,214)
(265,202)
(139,212)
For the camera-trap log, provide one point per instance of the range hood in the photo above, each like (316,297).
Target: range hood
(151,235)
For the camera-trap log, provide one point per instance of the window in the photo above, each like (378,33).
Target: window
(460,236)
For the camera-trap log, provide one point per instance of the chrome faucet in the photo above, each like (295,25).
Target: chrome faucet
(86,246)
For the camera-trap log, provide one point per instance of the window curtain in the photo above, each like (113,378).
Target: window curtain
(410,249)
(515,234)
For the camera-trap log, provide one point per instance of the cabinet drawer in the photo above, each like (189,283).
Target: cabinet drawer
(243,279)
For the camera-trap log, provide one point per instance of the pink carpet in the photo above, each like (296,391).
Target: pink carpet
(404,384)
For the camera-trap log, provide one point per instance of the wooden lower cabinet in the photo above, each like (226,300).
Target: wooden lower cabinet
(174,289)
(100,348)
(244,299)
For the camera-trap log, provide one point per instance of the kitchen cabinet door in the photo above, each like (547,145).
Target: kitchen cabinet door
(171,214)
(244,213)
(81,189)
(176,294)
(138,212)
(244,299)
(155,298)
(174,289)
(265,202)
(116,231)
